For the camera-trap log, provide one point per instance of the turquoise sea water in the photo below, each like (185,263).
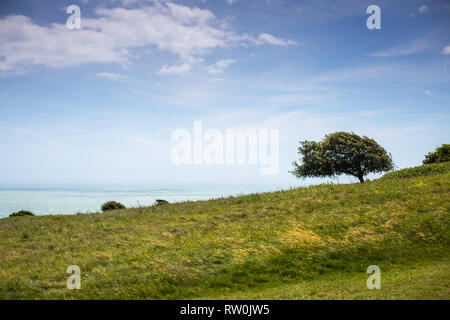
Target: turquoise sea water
(73,199)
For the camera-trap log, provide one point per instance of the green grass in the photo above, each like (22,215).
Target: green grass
(412,281)
(425,170)
(307,243)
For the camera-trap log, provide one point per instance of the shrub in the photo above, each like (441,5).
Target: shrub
(112,205)
(160,202)
(22,213)
(442,154)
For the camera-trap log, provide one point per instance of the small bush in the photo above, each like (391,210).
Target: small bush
(112,205)
(442,154)
(22,213)
(160,202)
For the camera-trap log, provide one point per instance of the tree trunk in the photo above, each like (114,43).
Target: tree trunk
(361,178)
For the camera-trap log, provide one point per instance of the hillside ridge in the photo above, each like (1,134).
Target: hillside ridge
(253,243)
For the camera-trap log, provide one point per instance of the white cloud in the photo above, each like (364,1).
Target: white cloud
(428,93)
(446,50)
(269,39)
(220,66)
(112,36)
(111,76)
(192,60)
(423,9)
(175,69)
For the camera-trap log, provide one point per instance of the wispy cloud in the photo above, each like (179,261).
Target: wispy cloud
(220,66)
(16,130)
(416,46)
(112,76)
(269,39)
(175,69)
(217,80)
(423,9)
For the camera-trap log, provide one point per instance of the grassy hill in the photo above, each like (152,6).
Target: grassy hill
(306,243)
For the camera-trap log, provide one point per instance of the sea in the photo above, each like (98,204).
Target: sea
(45,200)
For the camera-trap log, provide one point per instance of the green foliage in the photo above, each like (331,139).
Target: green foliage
(314,242)
(442,154)
(22,213)
(425,170)
(160,202)
(112,205)
(342,153)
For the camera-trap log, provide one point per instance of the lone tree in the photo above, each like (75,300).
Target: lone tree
(342,153)
(442,154)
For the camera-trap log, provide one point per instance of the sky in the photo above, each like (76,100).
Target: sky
(99,104)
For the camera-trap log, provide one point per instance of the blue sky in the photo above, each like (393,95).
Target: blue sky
(98,105)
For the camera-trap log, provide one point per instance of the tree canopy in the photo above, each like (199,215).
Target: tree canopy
(342,153)
(442,154)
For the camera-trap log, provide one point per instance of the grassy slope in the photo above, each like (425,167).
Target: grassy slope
(424,280)
(306,243)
